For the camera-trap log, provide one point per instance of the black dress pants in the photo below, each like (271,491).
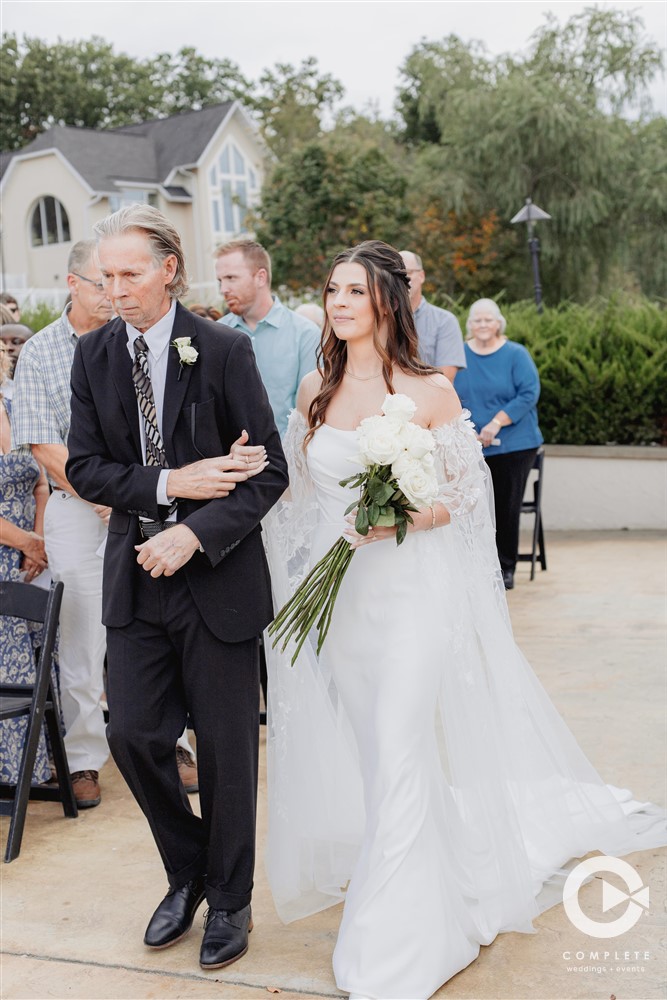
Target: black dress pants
(509,474)
(165,665)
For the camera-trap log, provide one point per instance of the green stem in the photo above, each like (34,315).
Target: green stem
(312,598)
(325,622)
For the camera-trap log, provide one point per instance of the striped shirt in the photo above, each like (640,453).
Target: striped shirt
(41,398)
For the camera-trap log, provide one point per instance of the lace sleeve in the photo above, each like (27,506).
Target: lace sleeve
(462,472)
(301,485)
(289,524)
(466,491)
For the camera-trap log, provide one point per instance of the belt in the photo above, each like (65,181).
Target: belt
(151,528)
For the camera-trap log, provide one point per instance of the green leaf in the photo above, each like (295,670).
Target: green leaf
(379,490)
(401,532)
(361,523)
(388,519)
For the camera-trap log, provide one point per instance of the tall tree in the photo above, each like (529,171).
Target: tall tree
(545,125)
(290,103)
(86,83)
(321,199)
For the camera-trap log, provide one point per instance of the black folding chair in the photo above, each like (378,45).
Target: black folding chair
(534,507)
(38,703)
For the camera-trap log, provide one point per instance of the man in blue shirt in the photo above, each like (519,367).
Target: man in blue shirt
(284,342)
(440,337)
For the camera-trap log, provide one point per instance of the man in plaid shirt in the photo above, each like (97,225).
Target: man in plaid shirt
(74,530)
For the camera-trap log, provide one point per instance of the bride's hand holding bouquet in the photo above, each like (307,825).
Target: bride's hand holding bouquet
(397,478)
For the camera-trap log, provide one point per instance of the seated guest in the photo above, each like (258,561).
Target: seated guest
(12,306)
(311,311)
(22,557)
(13,337)
(198,309)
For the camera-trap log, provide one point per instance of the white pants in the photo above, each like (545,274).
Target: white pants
(72,535)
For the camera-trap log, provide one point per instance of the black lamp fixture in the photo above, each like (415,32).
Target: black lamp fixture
(530,214)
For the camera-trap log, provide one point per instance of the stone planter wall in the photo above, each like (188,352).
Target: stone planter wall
(604,488)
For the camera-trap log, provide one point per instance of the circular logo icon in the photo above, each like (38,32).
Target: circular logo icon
(636,897)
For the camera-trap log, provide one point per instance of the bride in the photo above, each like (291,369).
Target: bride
(417,768)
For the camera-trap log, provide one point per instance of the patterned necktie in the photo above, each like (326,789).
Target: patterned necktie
(142,386)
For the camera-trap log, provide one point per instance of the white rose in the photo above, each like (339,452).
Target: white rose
(399,407)
(188,355)
(418,484)
(181,342)
(379,442)
(417,441)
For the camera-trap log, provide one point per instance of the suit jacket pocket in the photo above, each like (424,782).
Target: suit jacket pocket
(204,433)
(119,522)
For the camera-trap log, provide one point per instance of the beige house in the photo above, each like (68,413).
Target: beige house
(203,169)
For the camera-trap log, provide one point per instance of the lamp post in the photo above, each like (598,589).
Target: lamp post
(530,214)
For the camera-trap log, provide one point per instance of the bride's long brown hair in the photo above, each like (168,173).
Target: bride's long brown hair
(388,287)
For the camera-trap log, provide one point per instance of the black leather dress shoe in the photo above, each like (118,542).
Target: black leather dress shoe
(173,918)
(225,937)
(508,579)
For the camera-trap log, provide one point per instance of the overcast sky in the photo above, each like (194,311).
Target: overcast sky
(361,42)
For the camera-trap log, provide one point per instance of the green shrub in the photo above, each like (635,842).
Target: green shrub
(603,368)
(39,316)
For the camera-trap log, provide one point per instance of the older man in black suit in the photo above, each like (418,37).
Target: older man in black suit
(172,428)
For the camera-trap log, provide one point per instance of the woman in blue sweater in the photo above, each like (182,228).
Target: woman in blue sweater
(500,387)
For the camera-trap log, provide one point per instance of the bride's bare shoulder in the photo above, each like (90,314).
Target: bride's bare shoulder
(308,389)
(436,398)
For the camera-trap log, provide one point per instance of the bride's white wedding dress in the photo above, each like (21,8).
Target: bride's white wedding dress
(419,759)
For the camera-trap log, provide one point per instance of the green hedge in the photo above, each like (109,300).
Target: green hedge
(603,368)
(39,316)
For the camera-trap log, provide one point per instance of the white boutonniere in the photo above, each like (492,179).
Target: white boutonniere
(187,354)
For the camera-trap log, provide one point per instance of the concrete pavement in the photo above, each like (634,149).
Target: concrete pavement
(76,901)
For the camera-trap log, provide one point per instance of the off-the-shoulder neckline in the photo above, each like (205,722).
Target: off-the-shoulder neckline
(461,418)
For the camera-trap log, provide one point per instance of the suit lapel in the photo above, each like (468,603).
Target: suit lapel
(178,379)
(120,365)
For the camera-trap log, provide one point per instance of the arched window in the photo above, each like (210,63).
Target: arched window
(234,188)
(49,223)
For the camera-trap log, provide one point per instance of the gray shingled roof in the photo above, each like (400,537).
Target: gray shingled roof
(181,139)
(146,152)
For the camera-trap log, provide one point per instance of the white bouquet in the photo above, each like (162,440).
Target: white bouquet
(398,477)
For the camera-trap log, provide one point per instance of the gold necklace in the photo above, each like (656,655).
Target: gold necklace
(362,378)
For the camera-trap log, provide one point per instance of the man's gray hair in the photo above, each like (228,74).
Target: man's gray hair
(162,237)
(80,255)
(418,261)
(493,308)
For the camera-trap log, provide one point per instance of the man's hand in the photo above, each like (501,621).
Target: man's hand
(217,477)
(104,513)
(165,553)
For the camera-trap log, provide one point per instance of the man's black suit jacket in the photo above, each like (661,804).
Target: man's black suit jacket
(206,406)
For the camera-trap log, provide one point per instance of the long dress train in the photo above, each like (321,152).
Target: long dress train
(419,759)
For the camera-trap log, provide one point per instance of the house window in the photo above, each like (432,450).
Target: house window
(49,223)
(230,180)
(132,196)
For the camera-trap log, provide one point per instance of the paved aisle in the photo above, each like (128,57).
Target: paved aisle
(75,903)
